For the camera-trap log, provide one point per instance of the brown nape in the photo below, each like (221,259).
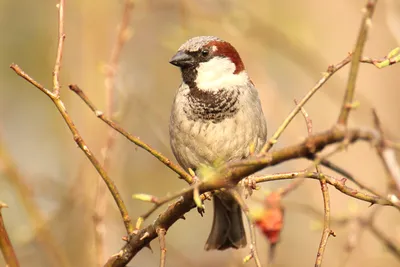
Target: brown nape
(225,49)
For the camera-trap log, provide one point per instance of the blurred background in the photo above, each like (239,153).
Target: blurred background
(50,186)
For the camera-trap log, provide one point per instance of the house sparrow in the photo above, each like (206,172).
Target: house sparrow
(216,115)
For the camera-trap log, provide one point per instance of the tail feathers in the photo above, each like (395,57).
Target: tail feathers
(227,230)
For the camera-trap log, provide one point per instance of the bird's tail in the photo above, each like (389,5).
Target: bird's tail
(227,229)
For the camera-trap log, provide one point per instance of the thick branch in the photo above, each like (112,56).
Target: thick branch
(233,172)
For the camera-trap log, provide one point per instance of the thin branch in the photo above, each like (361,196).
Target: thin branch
(111,71)
(332,69)
(6,246)
(61,37)
(253,244)
(163,251)
(82,145)
(283,191)
(355,62)
(338,184)
(112,66)
(176,168)
(158,202)
(386,240)
(388,157)
(327,230)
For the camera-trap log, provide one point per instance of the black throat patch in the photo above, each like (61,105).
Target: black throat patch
(212,106)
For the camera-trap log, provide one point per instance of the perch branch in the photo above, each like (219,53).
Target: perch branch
(230,174)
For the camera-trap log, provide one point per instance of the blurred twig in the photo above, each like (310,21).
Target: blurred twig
(296,183)
(61,37)
(388,158)
(43,234)
(111,71)
(355,62)
(6,246)
(82,145)
(362,221)
(386,240)
(176,168)
(253,244)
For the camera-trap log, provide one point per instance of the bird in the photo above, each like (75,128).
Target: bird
(216,115)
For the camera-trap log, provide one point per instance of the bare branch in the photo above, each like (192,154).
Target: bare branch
(82,145)
(327,230)
(5,244)
(253,244)
(176,168)
(163,251)
(111,71)
(355,62)
(158,202)
(388,157)
(328,74)
(232,172)
(61,37)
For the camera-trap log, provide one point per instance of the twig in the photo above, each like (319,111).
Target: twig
(296,183)
(253,244)
(388,157)
(307,119)
(163,251)
(176,168)
(46,239)
(386,240)
(327,230)
(82,145)
(338,184)
(158,202)
(5,244)
(355,62)
(61,37)
(111,70)
(332,69)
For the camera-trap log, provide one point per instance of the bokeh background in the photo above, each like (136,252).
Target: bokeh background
(285,45)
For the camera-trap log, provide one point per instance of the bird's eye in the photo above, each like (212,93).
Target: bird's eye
(204,52)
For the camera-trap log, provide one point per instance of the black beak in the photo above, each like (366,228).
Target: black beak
(181,59)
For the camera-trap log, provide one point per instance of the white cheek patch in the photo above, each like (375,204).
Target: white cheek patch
(218,73)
